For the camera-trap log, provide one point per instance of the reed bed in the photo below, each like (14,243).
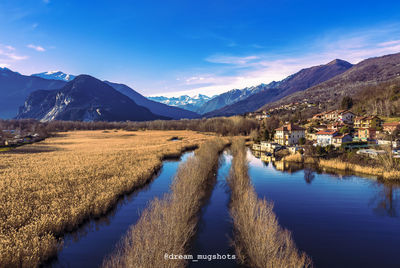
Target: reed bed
(345,166)
(51,187)
(293,158)
(259,241)
(167,225)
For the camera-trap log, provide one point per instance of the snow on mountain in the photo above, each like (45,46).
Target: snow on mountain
(190,103)
(55,75)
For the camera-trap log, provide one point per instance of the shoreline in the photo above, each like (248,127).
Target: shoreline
(336,164)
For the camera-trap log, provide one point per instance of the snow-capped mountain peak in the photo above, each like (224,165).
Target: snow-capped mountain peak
(55,75)
(187,102)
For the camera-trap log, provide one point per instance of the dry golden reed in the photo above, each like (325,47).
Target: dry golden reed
(167,225)
(345,166)
(258,239)
(52,186)
(294,158)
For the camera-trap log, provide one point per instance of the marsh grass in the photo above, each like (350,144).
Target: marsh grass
(293,158)
(53,186)
(259,241)
(388,174)
(168,224)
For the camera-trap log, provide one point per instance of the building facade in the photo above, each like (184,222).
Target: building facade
(289,134)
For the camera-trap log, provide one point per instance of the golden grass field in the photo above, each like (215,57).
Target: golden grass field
(168,224)
(51,187)
(258,239)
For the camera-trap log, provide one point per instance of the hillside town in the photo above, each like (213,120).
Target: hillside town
(332,130)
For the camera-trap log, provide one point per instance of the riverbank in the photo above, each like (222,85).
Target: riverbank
(51,187)
(259,240)
(337,164)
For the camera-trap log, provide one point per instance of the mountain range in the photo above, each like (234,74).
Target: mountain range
(299,81)
(55,75)
(15,88)
(49,99)
(185,102)
(353,82)
(85,98)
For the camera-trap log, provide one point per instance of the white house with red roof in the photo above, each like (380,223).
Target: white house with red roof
(325,137)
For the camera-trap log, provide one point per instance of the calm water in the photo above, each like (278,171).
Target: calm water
(215,224)
(95,240)
(340,221)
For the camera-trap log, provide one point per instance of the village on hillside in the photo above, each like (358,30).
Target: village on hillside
(332,130)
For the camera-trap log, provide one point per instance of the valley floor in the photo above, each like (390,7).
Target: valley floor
(52,186)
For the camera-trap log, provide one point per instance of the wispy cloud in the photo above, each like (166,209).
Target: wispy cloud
(239,71)
(224,59)
(8,55)
(37,48)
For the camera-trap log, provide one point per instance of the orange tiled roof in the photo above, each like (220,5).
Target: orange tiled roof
(326,132)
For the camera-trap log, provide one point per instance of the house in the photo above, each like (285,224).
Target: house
(390,127)
(367,122)
(366,134)
(266,146)
(311,136)
(325,137)
(262,116)
(318,116)
(338,140)
(289,134)
(346,116)
(336,126)
(256,147)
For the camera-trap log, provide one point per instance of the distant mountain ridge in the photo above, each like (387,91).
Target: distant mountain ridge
(55,75)
(84,99)
(299,81)
(185,102)
(231,97)
(155,107)
(369,72)
(15,87)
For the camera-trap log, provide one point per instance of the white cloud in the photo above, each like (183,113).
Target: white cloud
(4,65)
(226,59)
(37,48)
(10,48)
(233,71)
(8,54)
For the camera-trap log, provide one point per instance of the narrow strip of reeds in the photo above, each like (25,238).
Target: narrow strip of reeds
(259,241)
(377,171)
(167,225)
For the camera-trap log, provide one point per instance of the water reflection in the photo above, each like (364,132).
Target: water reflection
(339,218)
(308,175)
(386,200)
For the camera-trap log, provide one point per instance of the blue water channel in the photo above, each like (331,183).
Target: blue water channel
(96,239)
(212,241)
(338,220)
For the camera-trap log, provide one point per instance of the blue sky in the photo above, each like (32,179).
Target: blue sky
(189,47)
